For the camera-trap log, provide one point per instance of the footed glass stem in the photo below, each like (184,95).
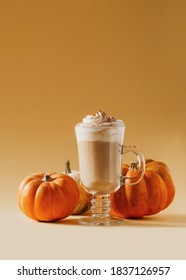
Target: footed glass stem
(100,213)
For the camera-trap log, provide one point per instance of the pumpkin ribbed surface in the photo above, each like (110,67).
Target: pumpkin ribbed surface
(49,198)
(152,194)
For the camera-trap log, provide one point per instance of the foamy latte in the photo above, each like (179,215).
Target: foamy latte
(100,139)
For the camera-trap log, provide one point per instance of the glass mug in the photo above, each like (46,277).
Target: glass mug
(100,152)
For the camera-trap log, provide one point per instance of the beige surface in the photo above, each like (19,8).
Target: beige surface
(158,237)
(61,60)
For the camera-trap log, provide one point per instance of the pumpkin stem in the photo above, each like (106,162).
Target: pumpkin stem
(47,178)
(134,165)
(67,167)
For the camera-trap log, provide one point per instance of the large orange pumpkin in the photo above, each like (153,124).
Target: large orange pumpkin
(48,197)
(152,194)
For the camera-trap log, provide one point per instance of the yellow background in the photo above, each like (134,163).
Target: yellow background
(61,60)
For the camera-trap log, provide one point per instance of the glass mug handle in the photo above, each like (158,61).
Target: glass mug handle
(140,165)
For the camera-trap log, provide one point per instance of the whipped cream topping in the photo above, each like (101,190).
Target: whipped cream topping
(99,119)
(100,126)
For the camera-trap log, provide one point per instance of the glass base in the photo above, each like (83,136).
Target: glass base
(101,213)
(101,221)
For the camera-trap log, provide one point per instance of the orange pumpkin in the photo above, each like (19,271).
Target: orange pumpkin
(48,197)
(152,194)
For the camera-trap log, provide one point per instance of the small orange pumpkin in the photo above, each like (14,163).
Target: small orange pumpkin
(48,197)
(152,194)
